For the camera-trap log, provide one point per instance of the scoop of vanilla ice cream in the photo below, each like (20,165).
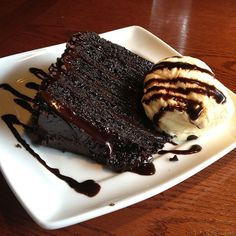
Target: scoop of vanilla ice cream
(182,97)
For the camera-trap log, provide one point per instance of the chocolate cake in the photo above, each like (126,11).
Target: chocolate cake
(90,104)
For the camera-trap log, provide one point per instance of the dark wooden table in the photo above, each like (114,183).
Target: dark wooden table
(205,204)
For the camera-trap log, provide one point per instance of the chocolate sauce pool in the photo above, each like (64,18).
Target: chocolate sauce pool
(148,169)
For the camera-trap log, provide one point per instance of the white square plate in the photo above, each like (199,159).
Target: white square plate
(50,201)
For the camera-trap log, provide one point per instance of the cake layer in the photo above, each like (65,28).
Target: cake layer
(91,104)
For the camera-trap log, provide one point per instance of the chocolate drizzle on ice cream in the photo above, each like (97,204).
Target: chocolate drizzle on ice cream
(180,65)
(182,97)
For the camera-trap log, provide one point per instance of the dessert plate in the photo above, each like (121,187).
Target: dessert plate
(50,201)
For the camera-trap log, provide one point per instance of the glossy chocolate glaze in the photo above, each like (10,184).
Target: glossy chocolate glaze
(69,116)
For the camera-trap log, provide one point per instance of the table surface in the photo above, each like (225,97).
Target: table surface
(204,204)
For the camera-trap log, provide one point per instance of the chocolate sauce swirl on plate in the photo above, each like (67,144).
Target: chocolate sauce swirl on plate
(87,187)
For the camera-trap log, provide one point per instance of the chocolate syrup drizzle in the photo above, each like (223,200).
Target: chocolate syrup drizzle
(193,149)
(174,158)
(193,108)
(207,89)
(39,73)
(179,65)
(32,85)
(16,93)
(24,104)
(88,187)
(192,137)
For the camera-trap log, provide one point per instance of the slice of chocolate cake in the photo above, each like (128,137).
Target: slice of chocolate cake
(91,104)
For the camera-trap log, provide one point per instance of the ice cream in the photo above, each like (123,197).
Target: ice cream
(182,97)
